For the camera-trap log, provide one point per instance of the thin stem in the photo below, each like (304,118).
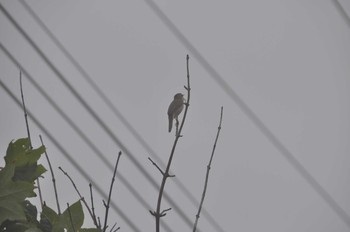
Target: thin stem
(110,192)
(81,197)
(53,177)
(93,215)
(25,110)
(207,175)
(40,196)
(159,169)
(158,214)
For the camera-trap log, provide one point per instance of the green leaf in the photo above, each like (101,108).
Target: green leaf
(64,221)
(24,158)
(50,220)
(74,215)
(10,210)
(12,194)
(21,154)
(14,226)
(30,211)
(16,149)
(28,173)
(33,229)
(45,225)
(90,230)
(13,190)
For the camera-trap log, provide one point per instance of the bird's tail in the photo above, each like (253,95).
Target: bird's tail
(170,122)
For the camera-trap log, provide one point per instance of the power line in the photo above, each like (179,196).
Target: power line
(342,11)
(69,157)
(109,103)
(94,114)
(250,114)
(79,132)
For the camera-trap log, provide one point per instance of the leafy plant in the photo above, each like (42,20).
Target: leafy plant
(17,184)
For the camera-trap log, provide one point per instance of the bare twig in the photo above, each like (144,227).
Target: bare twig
(70,217)
(157,214)
(114,230)
(163,213)
(80,196)
(93,215)
(110,192)
(28,132)
(161,171)
(207,175)
(25,110)
(53,177)
(40,196)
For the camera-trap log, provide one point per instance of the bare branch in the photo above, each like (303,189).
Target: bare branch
(163,213)
(93,215)
(207,175)
(110,192)
(53,177)
(25,110)
(40,196)
(113,227)
(161,171)
(80,196)
(157,214)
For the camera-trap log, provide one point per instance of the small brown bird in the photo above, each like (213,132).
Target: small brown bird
(175,108)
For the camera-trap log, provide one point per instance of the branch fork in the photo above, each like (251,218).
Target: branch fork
(158,213)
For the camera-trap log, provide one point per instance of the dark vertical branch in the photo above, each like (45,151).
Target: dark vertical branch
(25,110)
(158,214)
(53,177)
(207,175)
(110,192)
(93,215)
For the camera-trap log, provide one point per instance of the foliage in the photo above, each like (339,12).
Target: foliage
(17,181)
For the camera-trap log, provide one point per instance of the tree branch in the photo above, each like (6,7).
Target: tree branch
(93,215)
(53,177)
(207,175)
(80,196)
(157,214)
(25,110)
(110,192)
(159,169)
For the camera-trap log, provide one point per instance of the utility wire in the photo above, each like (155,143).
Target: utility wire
(250,114)
(81,134)
(94,115)
(342,12)
(69,157)
(109,103)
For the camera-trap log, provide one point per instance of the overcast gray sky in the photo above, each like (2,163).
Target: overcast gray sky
(289,61)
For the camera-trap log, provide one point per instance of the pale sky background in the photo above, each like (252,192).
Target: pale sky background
(289,61)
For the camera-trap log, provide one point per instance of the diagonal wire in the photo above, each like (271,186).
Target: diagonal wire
(94,115)
(81,134)
(342,12)
(69,157)
(250,114)
(108,102)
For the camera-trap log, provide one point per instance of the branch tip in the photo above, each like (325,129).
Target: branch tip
(207,174)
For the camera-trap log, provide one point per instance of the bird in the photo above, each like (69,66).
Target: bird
(175,108)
